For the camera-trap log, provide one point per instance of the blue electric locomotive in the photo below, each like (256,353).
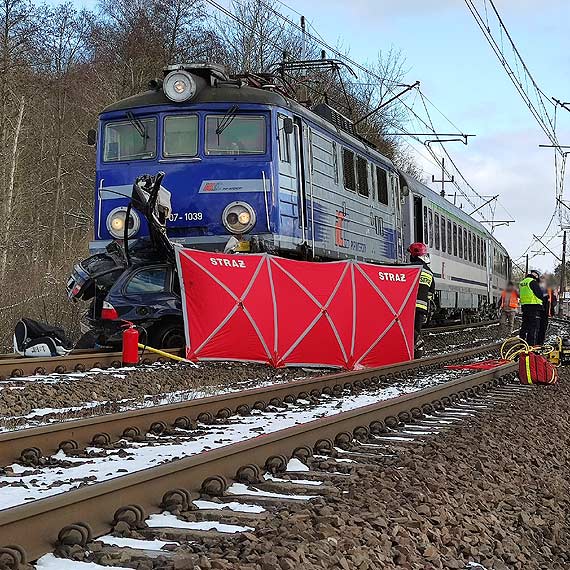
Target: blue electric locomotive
(248,162)
(250,169)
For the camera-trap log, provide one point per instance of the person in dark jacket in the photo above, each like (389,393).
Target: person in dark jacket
(531,296)
(549,302)
(419,255)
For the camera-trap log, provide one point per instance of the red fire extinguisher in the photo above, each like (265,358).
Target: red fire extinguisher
(130,345)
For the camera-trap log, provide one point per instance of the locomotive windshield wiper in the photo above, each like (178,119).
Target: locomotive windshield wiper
(227,119)
(138,125)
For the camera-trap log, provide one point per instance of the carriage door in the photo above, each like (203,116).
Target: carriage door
(301,134)
(395,191)
(288,177)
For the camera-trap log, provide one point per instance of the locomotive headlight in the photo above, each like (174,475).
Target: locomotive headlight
(238,217)
(116,222)
(179,86)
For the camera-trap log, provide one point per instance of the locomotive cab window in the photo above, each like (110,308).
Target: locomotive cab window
(348,170)
(133,139)
(362,171)
(235,135)
(381,180)
(180,136)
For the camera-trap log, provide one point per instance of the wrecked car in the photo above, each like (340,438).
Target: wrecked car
(135,283)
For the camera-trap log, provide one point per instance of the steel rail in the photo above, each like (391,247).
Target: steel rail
(14,366)
(98,430)
(451,328)
(35,527)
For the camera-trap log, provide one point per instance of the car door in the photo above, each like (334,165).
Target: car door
(147,294)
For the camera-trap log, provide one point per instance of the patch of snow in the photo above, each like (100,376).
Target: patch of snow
(241,489)
(269,477)
(168,520)
(134,542)
(50,562)
(337,459)
(296,465)
(232,506)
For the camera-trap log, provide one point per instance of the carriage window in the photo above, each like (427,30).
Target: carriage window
(469,246)
(460,243)
(130,140)
(455,238)
(148,281)
(426,232)
(362,170)
(284,138)
(484,253)
(465,248)
(180,136)
(477,257)
(436,220)
(449,238)
(382,182)
(243,134)
(348,169)
(443,235)
(430,217)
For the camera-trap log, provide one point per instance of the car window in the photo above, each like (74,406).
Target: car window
(148,281)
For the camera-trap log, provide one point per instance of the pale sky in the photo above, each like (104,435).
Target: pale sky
(445,50)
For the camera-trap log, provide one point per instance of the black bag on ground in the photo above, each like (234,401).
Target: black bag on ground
(32,338)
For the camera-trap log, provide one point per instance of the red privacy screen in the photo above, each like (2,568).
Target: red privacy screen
(282,312)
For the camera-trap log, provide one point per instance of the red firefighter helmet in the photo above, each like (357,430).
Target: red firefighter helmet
(418,249)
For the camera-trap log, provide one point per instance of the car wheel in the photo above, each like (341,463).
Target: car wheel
(170,335)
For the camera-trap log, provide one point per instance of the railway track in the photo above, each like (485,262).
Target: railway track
(36,527)
(14,366)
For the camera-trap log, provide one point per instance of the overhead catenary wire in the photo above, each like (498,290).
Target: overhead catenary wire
(382,81)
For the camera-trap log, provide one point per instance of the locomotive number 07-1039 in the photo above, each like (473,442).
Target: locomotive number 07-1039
(187,216)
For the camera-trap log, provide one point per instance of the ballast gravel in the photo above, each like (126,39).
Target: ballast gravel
(437,342)
(35,400)
(493,491)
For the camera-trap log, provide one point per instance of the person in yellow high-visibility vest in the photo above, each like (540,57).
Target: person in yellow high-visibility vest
(531,303)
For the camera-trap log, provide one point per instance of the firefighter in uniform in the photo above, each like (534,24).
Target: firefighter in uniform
(531,303)
(419,255)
